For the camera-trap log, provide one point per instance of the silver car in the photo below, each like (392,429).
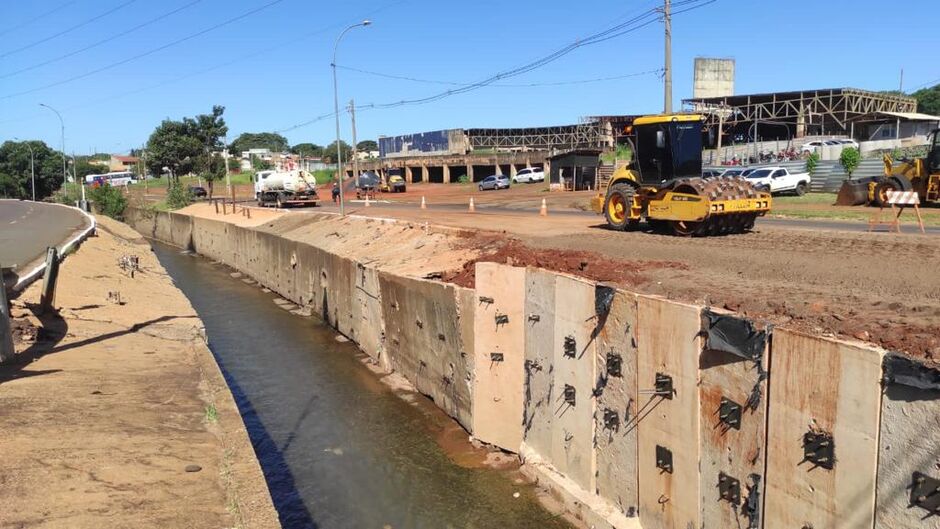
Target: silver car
(497,181)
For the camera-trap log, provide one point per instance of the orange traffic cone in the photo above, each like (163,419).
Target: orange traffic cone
(472,209)
(423,203)
(543,211)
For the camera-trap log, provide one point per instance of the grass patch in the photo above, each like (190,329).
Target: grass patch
(809,198)
(212,415)
(863,215)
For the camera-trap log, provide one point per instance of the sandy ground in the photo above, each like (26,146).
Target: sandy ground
(114,413)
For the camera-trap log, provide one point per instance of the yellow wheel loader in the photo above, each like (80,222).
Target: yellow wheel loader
(663,183)
(921,175)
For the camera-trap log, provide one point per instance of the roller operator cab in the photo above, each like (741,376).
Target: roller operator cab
(663,183)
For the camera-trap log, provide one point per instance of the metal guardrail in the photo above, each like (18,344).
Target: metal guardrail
(36,272)
(828,176)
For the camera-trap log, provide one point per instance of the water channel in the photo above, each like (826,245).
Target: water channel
(339,448)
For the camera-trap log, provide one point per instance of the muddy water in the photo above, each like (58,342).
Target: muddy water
(340,449)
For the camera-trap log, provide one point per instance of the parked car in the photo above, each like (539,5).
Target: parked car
(529,175)
(198,192)
(849,143)
(495,182)
(811,146)
(396,184)
(779,180)
(710,173)
(735,171)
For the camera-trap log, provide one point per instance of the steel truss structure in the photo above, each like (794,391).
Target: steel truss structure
(584,135)
(831,109)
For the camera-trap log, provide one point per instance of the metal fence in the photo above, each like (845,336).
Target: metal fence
(829,175)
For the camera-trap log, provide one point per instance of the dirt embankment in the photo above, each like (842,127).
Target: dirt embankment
(881,288)
(114,411)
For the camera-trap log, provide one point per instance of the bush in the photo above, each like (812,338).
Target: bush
(108,200)
(812,162)
(850,158)
(463,179)
(177,196)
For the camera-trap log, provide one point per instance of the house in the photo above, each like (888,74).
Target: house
(123,163)
(574,170)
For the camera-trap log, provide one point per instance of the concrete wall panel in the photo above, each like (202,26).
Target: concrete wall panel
(463,380)
(910,418)
(822,386)
(367,312)
(669,343)
(423,340)
(737,452)
(574,346)
(616,443)
(499,329)
(539,361)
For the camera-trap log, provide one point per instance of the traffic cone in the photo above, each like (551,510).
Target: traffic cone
(472,209)
(543,211)
(423,203)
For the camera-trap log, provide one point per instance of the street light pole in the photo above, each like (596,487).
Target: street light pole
(65,174)
(339,151)
(32,167)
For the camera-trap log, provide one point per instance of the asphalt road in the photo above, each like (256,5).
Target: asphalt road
(28,228)
(806,224)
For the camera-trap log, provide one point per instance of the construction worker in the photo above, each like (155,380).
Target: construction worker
(335,192)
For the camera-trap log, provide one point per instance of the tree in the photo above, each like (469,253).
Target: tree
(272,141)
(184,146)
(307,149)
(329,152)
(84,167)
(215,170)
(172,147)
(15,178)
(367,146)
(928,100)
(850,158)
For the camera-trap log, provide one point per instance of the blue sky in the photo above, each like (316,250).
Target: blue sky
(270,69)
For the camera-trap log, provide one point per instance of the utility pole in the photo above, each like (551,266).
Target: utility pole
(667,69)
(355,155)
(901,84)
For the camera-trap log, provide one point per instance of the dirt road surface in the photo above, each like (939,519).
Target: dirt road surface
(114,413)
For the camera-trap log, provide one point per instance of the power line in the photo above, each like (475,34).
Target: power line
(146,53)
(102,41)
(631,25)
(69,30)
(22,25)
(503,85)
(929,83)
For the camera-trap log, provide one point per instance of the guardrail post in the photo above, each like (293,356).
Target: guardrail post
(6,328)
(49,279)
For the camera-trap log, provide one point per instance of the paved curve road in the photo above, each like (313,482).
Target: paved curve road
(28,228)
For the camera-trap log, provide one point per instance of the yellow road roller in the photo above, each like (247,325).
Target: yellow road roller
(663,183)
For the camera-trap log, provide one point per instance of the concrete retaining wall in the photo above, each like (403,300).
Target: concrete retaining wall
(620,402)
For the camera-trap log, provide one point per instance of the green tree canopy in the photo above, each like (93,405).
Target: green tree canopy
(329,152)
(259,140)
(307,149)
(367,146)
(182,147)
(928,100)
(15,179)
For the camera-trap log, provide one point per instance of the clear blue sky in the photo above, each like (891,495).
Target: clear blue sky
(271,69)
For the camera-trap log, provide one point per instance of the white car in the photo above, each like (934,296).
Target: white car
(848,143)
(529,175)
(811,146)
(779,180)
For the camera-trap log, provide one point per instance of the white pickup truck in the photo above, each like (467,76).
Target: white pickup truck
(779,180)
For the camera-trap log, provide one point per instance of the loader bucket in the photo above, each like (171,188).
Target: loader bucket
(852,193)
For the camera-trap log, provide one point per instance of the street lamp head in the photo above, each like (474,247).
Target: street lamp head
(366,22)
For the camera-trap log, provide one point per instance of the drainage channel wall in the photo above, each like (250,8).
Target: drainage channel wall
(636,411)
